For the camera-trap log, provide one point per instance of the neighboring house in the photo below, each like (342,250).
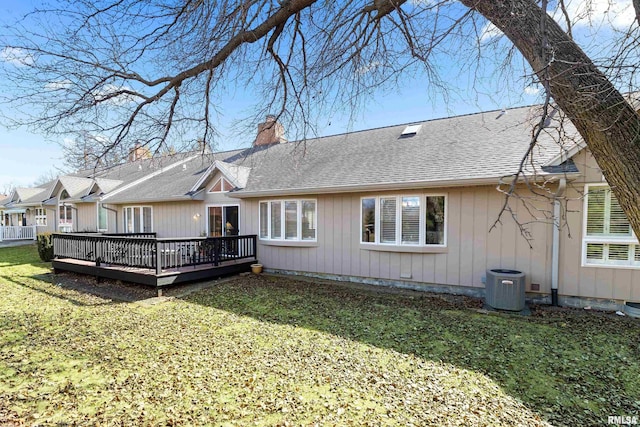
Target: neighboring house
(410,205)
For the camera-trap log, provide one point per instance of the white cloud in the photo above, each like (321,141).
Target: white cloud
(368,67)
(532,90)
(58,84)
(617,14)
(105,94)
(16,56)
(489,32)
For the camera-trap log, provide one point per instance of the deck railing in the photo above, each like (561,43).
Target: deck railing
(153,253)
(11,232)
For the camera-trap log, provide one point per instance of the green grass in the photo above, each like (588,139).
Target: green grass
(277,351)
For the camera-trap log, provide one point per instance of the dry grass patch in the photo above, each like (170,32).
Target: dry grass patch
(277,351)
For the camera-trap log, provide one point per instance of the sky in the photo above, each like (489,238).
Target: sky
(26,156)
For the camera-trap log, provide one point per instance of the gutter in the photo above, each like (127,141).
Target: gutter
(555,245)
(152,200)
(360,188)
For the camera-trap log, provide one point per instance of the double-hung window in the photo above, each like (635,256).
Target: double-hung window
(294,220)
(415,220)
(608,239)
(138,219)
(41,217)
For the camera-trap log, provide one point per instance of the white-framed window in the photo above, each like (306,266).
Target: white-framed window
(223,220)
(221,186)
(288,220)
(138,219)
(607,238)
(41,217)
(103,218)
(65,213)
(404,220)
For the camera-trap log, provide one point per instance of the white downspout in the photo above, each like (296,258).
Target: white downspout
(555,248)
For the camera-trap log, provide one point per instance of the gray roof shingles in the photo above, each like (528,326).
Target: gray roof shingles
(463,148)
(173,184)
(475,146)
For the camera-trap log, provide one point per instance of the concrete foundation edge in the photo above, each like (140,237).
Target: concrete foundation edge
(531,298)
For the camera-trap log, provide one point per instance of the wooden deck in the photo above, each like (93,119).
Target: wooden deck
(148,276)
(147,260)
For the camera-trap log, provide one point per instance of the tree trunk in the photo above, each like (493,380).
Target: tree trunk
(606,121)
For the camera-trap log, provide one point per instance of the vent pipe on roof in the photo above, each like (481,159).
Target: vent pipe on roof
(270,132)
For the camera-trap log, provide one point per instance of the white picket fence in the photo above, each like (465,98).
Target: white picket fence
(17,233)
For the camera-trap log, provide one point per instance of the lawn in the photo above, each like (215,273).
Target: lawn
(277,351)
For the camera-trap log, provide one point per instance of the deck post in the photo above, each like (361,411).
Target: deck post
(255,246)
(158,258)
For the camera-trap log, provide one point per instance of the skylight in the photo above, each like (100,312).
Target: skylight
(410,130)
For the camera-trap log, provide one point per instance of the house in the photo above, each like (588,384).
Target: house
(413,205)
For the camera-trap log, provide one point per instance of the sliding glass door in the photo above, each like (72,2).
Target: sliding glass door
(223,220)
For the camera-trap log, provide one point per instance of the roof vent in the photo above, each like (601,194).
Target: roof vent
(410,130)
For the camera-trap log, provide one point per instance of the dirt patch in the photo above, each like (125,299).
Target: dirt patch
(118,290)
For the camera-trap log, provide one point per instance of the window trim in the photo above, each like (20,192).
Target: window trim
(631,241)
(98,207)
(67,225)
(223,186)
(224,216)
(282,238)
(421,246)
(124,218)
(41,216)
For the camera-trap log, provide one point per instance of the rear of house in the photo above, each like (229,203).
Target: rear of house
(413,205)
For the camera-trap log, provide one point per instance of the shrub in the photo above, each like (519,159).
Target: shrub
(45,247)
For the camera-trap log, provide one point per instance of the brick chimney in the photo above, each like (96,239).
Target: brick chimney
(270,132)
(139,152)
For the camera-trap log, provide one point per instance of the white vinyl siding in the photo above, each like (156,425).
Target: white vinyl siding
(404,220)
(294,220)
(138,219)
(608,238)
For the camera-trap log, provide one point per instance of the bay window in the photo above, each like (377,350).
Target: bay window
(416,220)
(608,239)
(294,220)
